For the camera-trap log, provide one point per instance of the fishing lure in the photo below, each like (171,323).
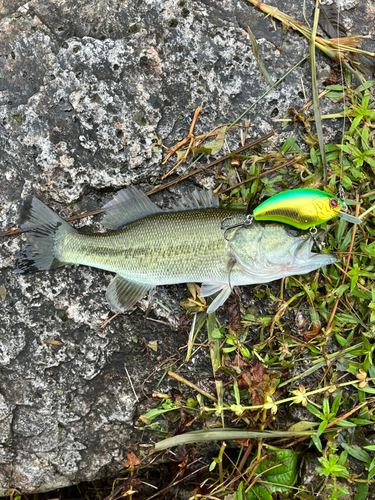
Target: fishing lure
(302,208)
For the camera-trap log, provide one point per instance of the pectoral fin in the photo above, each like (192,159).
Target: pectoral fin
(223,290)
(122,294)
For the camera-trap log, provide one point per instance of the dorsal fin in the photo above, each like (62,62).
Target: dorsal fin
(198,199)
(128,206)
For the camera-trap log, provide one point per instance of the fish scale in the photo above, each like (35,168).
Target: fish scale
(164,248)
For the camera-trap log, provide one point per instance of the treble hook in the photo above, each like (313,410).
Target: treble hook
(342,196)
(249,219)
(313,232)
(343,214)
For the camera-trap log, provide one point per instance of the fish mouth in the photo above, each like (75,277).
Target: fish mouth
(308,259)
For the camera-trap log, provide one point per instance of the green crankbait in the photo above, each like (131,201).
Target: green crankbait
(302,208)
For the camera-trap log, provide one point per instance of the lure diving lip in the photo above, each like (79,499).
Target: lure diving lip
(302,208)
(350,218)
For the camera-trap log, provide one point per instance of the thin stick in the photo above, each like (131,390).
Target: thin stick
(109,320)
(367,212)
(193,386)
(294,160)
(131,383)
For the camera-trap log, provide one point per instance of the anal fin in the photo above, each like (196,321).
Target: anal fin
(122,294)
(223,290)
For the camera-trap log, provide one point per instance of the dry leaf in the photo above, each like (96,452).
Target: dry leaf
(132,460)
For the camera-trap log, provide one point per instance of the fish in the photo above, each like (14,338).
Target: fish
(302,208)
(146,246)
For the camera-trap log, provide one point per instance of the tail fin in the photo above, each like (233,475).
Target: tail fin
(43,230)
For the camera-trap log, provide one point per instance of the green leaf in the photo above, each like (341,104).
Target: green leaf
(227,350)
(289,143)
(314,410)
(357,452)
(345,423)
(369,249)
(369,390)
(156,412)
(325,407)
(335,87)
(336,403)
(213,147)
(277,473)
(371,472)
(212,466)
(317,442)
(214,342)
(239,495)
(343,457)
(216,334)
(361,491)
(361,421)
(321,427)
(334,95)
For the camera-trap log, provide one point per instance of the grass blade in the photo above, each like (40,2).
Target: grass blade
(316,105)
(227,434)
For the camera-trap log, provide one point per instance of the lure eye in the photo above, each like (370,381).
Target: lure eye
(334,203)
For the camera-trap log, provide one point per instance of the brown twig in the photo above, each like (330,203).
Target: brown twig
(244,459)
(184,141)
(212,164)
(190,137)
(346,415)
(193,386)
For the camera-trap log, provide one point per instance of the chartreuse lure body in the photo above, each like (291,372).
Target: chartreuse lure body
(302,208)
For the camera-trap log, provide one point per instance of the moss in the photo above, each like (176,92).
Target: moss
(139,118)
(96,98)
(173,23)
(134,28)
(19,118)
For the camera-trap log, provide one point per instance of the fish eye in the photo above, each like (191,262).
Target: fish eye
(334,203)
(293,231)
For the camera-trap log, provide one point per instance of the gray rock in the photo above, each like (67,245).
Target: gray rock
(84,87)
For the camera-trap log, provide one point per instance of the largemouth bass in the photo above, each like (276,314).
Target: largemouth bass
(146,247)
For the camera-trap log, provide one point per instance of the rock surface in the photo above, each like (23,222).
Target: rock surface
(84,88)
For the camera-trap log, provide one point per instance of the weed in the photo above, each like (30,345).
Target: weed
(331,351)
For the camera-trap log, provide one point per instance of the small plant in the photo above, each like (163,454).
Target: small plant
(333,467)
